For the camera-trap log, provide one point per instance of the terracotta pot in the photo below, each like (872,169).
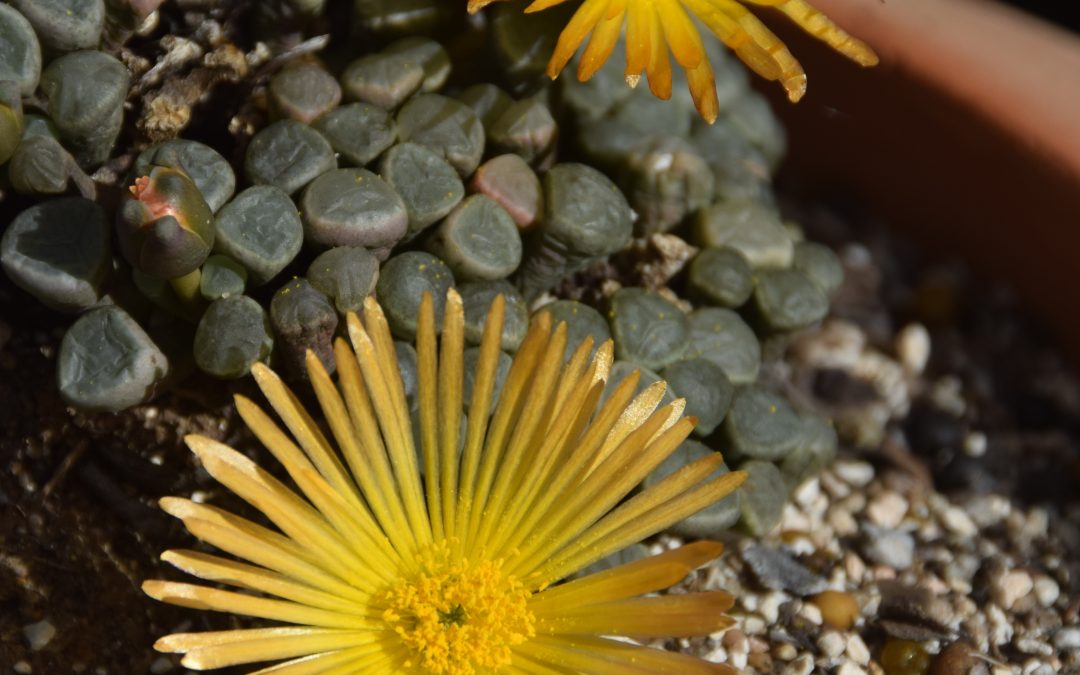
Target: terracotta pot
(967,136)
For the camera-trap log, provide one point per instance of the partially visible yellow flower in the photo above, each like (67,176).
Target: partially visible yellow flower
(447,561)
(652,26)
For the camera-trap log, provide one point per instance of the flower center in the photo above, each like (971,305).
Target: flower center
(458,617)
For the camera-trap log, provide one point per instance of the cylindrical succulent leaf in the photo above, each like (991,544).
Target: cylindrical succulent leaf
(303,319)
(648,329)
(762,424)
(403,281)
(512,183)
(427,183)
(527,129)
(86,92)
(65,25)
(20,58)
(401,17)
(346,274)
(585,217)
(383,80)
(750,228)
(358,132)
(261,230)
(221,277)
(787,300)
(107,362)
(288,155)
(478,241)
(487,101)
(59,252)
(762,497)
(353,207)
(720,276)
(446,126)
(665,180)
(165,227)
(40,166)
(303,92)
(723,337)
(233,334)
(706,388)
(11,119)
(820,264)
(429,54)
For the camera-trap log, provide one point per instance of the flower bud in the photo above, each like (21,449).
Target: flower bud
(165,227)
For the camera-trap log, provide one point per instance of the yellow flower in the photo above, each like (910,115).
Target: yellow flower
(381,566)
(654,25)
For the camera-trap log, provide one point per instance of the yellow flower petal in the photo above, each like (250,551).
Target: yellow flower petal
(381,569)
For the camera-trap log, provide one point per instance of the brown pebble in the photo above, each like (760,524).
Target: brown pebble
(760,661)
(838,609)
(734,637)
(956,659)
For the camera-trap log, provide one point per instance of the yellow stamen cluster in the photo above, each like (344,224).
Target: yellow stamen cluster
(655,26)
(457,616)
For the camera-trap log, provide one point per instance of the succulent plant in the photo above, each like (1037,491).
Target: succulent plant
(446,126)
(11,119)
(478,240)
(303,92)
(164,226)
(20,59)
(59,251)
(65,25)
(86,92)
(288,155)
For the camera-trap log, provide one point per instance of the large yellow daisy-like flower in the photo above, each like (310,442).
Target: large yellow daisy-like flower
(379,566)
(652,26)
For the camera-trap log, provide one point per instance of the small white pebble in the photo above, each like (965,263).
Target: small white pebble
(1067,638)
(804,665)
(975,444)
(887,509)
(842,522)
(957,521)
(749,602)
(831,643)
(811,613)
(39,634)
(854,472)
(913,348)
(717,655)
(1036,667)
(988,510)
(753,625)
(1046,590)
(854,566)
(23,668)
(785,651)
(199,497)
(857,650)
(1010,587)
(849,668)
(1001,630)
(807,492)
(769,608)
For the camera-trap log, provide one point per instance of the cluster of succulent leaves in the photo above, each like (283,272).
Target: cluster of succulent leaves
(392,173)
